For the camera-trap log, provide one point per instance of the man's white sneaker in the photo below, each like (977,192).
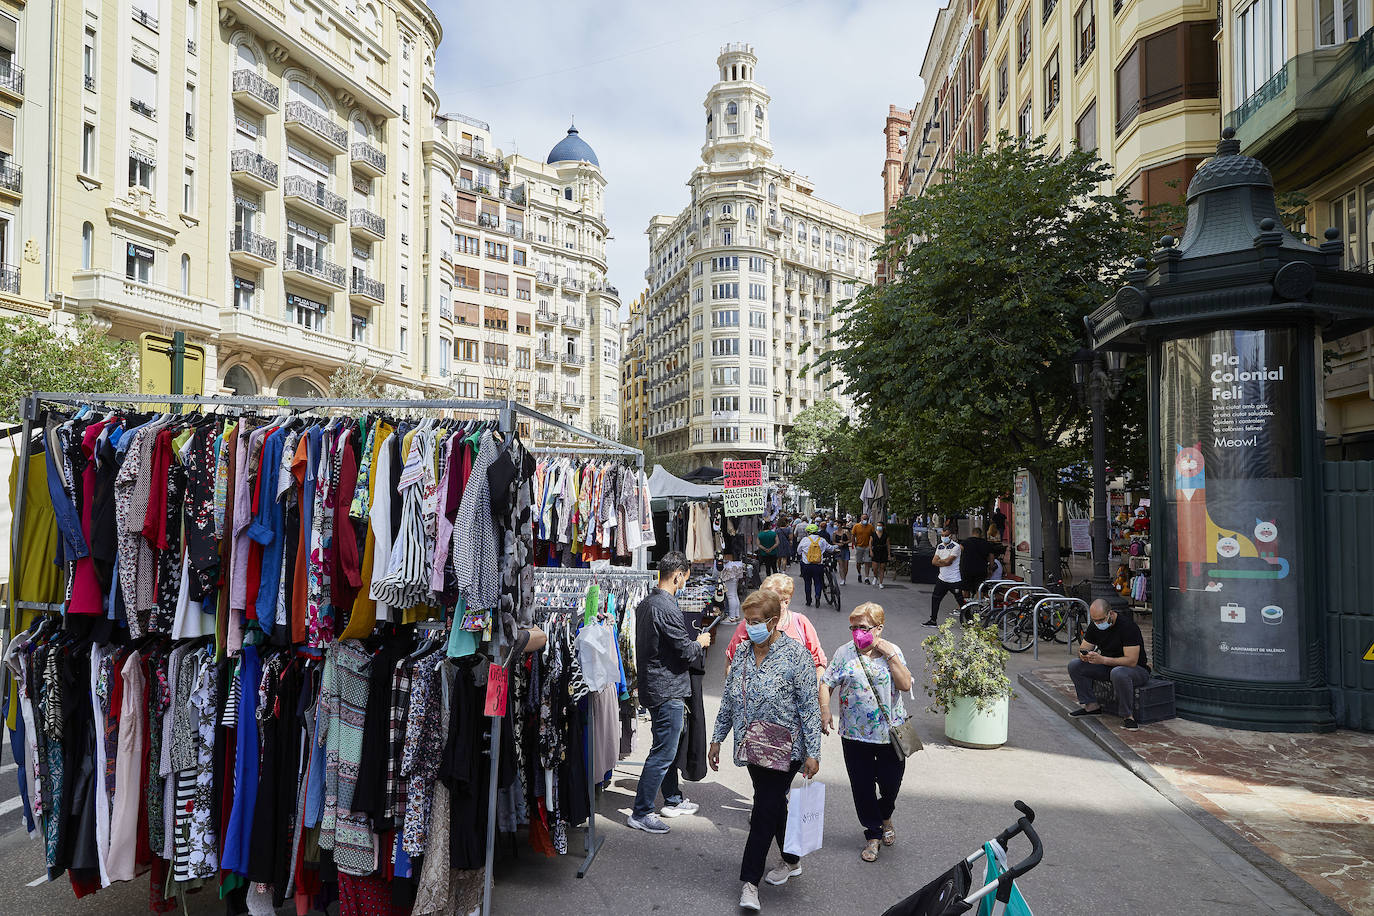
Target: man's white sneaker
(778,876)
(686,806)
(880,585)
(749,898)
(649,823)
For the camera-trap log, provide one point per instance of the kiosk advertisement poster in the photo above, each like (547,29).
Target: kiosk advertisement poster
(1025,526)
(743,487)
(1228,413)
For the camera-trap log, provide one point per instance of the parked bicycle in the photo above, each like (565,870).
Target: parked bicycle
(830,583)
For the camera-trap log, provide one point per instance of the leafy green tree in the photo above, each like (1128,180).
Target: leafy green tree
(967,353)
(355,381)
(38,355)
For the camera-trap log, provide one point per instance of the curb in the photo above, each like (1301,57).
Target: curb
(1101,735)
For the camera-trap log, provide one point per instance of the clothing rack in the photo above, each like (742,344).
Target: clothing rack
(552,576)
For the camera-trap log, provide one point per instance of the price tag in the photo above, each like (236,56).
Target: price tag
(496,691)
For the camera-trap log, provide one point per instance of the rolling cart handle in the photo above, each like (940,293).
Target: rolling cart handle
(1022,826)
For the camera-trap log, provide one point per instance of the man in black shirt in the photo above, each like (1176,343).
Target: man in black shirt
(1112,650)
(973,564)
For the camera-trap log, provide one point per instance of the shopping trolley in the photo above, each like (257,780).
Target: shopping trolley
(954,892)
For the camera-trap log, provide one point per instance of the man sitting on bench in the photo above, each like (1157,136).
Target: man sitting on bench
(1112,650)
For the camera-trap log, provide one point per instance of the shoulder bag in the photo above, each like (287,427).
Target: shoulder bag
(764,744)
(904,738)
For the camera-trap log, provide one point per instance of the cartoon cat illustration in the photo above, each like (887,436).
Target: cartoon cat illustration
(1190,487)
(1228,546)
(1267,540)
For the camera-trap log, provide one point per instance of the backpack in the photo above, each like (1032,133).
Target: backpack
(813,550)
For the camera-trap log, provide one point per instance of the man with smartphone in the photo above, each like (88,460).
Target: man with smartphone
(1112,650)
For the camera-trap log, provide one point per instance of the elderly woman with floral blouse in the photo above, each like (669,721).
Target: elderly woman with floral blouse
(770,697)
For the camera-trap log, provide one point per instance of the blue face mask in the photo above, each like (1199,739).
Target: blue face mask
(1102,624)
(758,632)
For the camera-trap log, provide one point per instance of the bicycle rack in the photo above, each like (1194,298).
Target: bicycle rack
(1035,618)
(985,604)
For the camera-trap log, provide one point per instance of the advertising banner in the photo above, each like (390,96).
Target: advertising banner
(743,487)
(1025,526)
(1228,414)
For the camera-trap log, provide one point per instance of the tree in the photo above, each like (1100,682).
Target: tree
(966,354)
(41,356)
(355,381)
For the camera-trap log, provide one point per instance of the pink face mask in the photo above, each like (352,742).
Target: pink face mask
(863,639)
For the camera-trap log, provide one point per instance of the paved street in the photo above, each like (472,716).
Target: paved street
(1112,844)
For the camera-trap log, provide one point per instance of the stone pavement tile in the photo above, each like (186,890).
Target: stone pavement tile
(1306,800)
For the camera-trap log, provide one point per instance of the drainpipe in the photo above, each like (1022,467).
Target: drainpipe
(1369,364)
(52,141)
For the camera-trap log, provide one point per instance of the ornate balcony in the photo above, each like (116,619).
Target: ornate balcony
(9,279)
(11,179)
(545,397)
(12,81)
(252,250)
(573,400)
(253,169)
(316,198)
(544,316)
(367,224)
(574,360)
(574,322)
(304,119)
(316,273)
(363,290)
(367,159)
(255,93)
(545,357)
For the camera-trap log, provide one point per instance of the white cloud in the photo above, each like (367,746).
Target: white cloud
(634,74)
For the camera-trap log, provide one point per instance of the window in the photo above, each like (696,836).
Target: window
(758,265)
(728,346)
(88,149)
(138,263)
(751,214)
(143,89)
(240,381)
(728,404)
(465,351)
(758,319)
(88,59)
(185,274)
(725,318)
(140,171)
(496,284)
(357,329)
(522,358)
(725,291)
(305,312)
(497,251)
(1337,22)
(190,105)
(1085,32)
(1259,44)
(1025,121)
(725,434)
(87,245)
(243,294)
(1086,129)
(1177,63)
(1023,41)
(1051,82)
(729,263)
(1001,11)
(758,376)
(403,342)
(188,191)
(725,377)
(758,346)
(696,322)
(518,257)
(758,291)
(758,405)
(1003,82)
(496,319)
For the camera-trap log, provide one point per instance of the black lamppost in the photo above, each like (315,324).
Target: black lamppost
(1098,378)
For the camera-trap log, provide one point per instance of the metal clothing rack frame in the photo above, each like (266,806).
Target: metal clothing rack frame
(592,841)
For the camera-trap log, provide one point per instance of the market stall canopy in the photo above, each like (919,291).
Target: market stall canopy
(664,485)
(704,474)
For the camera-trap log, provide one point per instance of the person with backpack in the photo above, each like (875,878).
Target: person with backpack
(811,552)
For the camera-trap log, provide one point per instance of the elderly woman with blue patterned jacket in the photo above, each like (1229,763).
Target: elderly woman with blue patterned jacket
(771,702)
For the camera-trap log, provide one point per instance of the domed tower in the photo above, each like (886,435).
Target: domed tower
(736,111)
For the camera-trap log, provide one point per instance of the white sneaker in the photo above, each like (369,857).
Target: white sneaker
(649,823)
(749,898)
(880,585)
(778,876)
(686,806)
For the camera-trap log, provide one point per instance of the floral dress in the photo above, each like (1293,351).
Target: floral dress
(861,719)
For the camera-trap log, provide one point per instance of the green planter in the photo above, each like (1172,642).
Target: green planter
(965,726)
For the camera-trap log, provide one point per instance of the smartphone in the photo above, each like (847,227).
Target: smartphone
(1082,651)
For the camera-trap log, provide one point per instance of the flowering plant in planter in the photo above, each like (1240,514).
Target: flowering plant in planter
(965,662)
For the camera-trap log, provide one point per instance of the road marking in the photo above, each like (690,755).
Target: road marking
(11,804)
(41,879)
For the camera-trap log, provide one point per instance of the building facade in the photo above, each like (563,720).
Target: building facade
(634,391)
(1296,79)
(743,287)
(1136,81)
(277,181)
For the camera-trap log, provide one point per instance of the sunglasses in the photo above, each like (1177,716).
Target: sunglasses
(855,627)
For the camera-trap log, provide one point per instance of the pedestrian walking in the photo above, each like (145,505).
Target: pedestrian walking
(785,543)
(869,674)
(946,559)
(811,553)
(842,542)
(862,536)
(664,651)
(768,550)
(795,624)
(879,550)
(770,703)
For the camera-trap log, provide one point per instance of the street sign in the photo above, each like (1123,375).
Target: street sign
(1369,656)
(743,487)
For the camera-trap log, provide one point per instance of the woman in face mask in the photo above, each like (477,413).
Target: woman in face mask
(869,674)
(770,702)
(878,551)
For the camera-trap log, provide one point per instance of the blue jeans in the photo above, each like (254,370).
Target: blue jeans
(813,577)
(659,771)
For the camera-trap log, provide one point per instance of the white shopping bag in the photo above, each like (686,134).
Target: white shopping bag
(805,818)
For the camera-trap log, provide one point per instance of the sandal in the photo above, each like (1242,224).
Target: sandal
(870,851)
(889,833)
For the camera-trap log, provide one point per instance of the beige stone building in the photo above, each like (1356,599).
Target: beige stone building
(276,179)
(743,286)
(1296,86)
(634,391)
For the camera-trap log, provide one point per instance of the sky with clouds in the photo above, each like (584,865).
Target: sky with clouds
(635,74)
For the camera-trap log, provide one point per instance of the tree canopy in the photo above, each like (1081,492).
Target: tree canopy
(38,355)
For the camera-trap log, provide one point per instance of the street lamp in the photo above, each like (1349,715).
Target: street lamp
(1098,377)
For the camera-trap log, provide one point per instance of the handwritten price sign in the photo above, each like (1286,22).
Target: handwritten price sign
(744,488)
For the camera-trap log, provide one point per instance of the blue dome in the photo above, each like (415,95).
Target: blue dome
(573,148)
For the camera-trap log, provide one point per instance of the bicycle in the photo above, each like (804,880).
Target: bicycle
(830,584)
